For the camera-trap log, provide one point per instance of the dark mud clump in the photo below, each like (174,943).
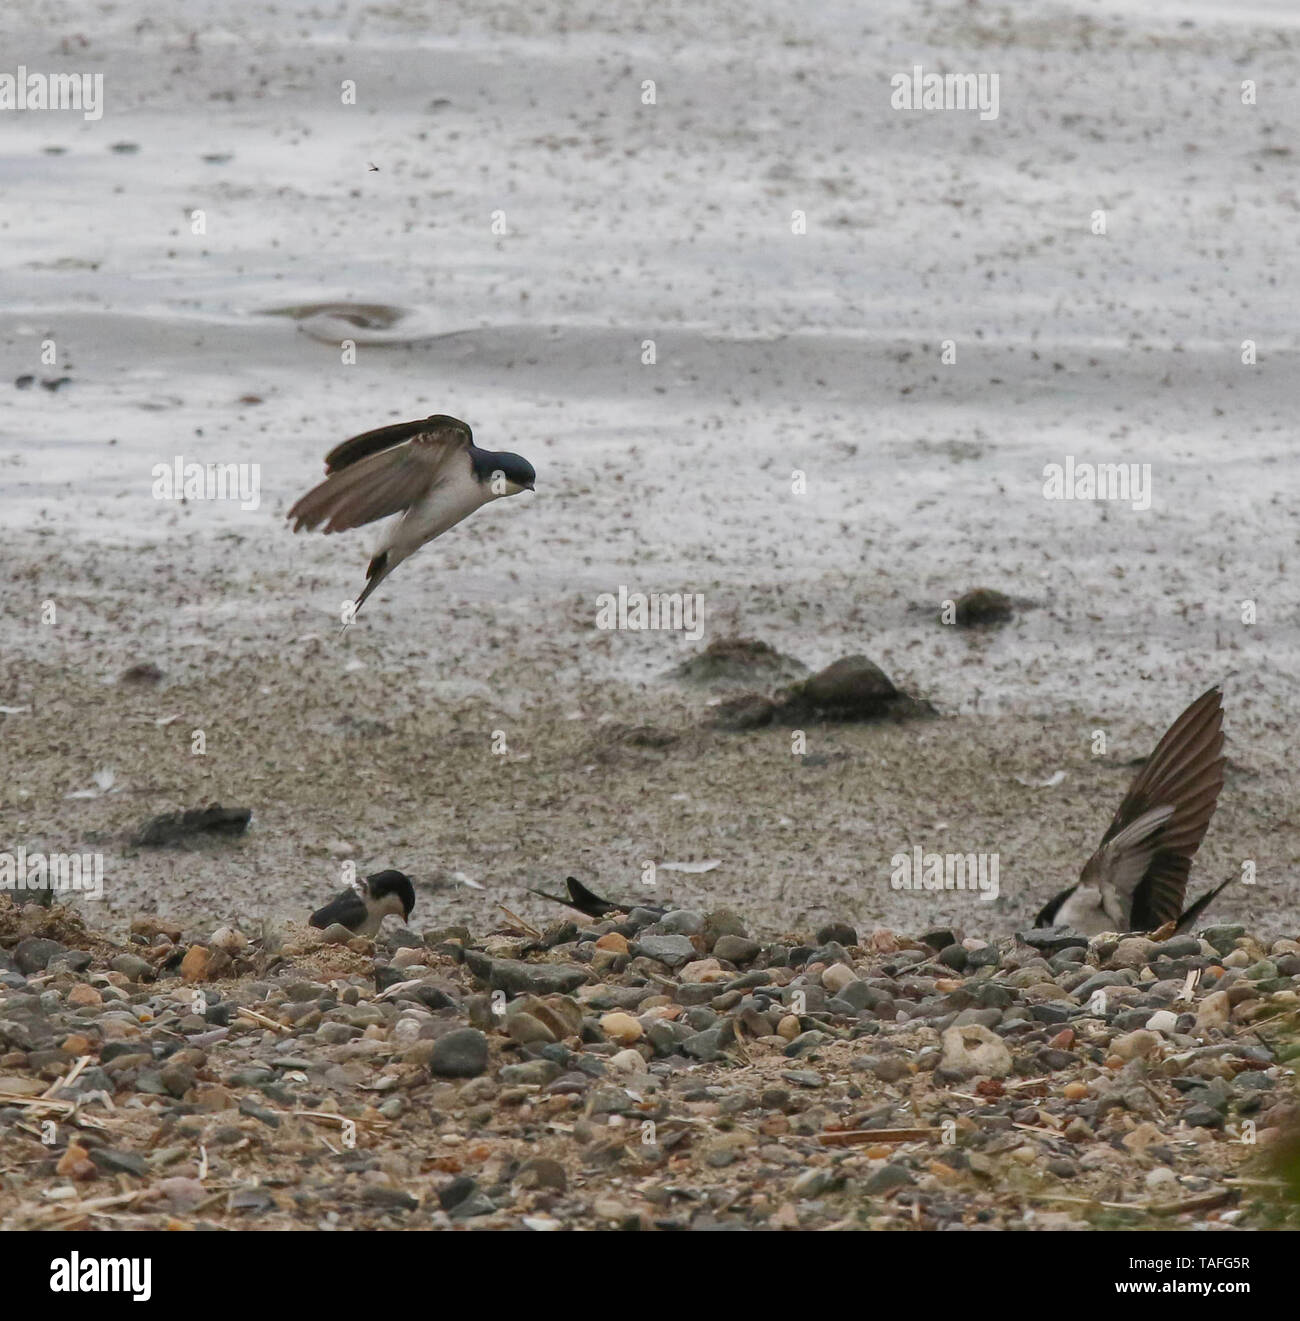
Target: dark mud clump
(740,661)
(850,689)
(176,826)
(142,675)
(983,607)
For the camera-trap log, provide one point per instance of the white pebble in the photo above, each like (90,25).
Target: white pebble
(1163,1020)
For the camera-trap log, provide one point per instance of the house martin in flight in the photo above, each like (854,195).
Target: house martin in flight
(429,473)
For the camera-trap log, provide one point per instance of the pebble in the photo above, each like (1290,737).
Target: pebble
(622,1028)
(460,1054)
(974,1051)
(736,949)
(674,950)
(1135,1045)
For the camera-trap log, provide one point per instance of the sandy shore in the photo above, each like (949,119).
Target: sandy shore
(819,352)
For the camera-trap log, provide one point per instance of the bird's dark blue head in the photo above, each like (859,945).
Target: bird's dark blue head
(393,882)
(517,470)
(501,469)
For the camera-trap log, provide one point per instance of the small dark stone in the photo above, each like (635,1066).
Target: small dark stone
(672,950)
(119,1162)
(1198,1115)
(31,955)
(887,1178)
(476,1204)
(460,1054)
(534,1073)
(455,1192)
(386,975)
(390,1199)
(1051,1059)
(805,1042)
(1179,947)
(516,977)
(940,938)
(1224,936)
(71,960)
(803,1077)
(857,995)
(954,957)
(736,949)
(1051,940)
(256,1200)
(268,1117)
(1051,1013)
(705,1046)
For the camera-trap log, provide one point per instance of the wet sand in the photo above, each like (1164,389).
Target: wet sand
(775,352)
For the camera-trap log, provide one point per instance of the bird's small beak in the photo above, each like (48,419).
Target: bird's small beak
(530,487)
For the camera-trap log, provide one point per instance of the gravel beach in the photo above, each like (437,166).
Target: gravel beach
(648,1070)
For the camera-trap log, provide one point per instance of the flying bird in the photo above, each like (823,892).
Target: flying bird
(1137,878)
(587,901)
(363,906)
(430,473)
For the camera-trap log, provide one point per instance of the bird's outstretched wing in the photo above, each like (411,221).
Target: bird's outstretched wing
(349,909)
(367,443)
(383,472)
(1184,774)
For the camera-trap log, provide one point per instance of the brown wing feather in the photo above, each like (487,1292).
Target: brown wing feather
(383,482)
(398,433)
(1184,772)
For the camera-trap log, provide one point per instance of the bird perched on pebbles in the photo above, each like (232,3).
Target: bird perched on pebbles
(428,472)
(1137,878)
(363,905)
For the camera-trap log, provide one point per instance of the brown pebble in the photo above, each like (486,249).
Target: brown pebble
(194,966)
(75,1163)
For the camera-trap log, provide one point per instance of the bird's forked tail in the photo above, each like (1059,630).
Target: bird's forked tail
(376,571)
